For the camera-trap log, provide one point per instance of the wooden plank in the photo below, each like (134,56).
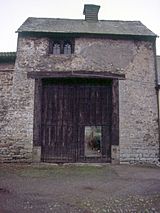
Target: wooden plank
(106,142)
(59,146)
(95,96)
(75,74)
(37,113)
(115,113)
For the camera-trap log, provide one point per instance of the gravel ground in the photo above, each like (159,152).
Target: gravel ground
(47,188)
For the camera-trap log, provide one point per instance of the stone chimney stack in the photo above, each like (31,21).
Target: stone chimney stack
(91,12)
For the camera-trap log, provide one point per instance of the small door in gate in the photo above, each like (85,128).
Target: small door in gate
(76,120)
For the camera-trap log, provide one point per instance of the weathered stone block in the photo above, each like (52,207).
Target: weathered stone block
(36,154)
(115,153)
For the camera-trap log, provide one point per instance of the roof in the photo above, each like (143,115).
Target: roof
(7,57)
(158,68)
(52,25)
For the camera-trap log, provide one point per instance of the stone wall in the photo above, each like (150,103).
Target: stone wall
(138,109)
(14,117)
(6,83)
(138,101)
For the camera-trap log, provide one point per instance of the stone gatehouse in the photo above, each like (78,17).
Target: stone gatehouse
(80,91)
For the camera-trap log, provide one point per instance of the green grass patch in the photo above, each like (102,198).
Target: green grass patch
(59,171)
(40,171)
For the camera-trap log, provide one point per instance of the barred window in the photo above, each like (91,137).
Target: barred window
(67,48)
(61,46)
(56,48)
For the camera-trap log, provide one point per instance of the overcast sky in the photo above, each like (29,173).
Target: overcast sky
(14,12)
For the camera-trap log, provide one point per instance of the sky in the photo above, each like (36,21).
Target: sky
(14,12)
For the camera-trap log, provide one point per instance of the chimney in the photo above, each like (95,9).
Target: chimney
(91,12)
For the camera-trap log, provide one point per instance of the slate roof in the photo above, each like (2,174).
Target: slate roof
(52,25)
(7,56)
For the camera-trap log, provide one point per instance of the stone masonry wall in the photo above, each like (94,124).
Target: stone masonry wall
(138,101)
(6,82)
(12,147)
(138,109)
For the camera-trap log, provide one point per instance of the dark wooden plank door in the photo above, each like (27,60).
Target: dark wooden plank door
(94,112)
(68,110)
(58,123)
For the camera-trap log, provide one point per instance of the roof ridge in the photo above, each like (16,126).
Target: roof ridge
(7,53)
(109,20)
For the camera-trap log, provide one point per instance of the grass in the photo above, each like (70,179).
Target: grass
(54,171)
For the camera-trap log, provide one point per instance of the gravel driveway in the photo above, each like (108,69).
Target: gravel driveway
(49,188)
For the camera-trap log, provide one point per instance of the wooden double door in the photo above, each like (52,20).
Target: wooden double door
(76,120)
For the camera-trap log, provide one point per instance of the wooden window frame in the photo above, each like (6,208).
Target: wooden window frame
(62,43)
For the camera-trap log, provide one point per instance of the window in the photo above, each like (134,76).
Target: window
(56,48)
(61,46)
(67,47)
(93,141)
